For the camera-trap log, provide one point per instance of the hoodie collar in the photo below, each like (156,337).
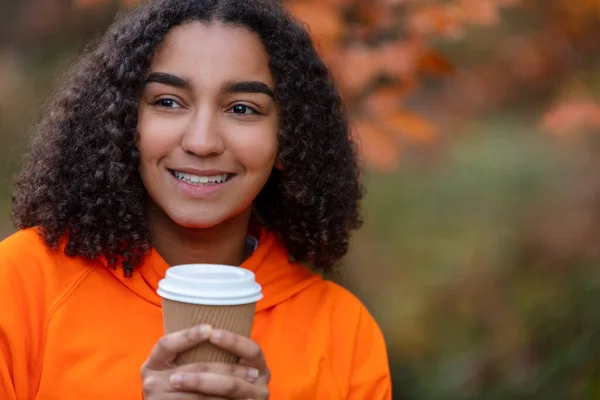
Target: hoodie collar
(280,279)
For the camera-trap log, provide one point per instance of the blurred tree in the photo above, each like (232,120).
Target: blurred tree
(387,54)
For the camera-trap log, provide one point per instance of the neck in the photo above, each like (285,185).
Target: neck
(222,244)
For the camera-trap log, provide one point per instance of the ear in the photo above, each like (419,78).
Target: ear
(278,166)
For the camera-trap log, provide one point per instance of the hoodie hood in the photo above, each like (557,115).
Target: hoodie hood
(280,279)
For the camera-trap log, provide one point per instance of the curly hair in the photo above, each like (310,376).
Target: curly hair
(81,180)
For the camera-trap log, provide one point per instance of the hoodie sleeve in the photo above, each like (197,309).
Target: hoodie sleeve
(370,373)
(21,314)
(13,357)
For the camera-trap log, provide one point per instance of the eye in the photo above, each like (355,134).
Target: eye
(242,109)
(167,103)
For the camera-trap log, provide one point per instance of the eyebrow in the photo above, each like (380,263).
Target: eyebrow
(249,87)
(167,79)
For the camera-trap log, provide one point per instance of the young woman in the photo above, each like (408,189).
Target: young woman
(192,131)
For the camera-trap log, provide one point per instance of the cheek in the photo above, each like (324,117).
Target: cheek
(154,138)
(256,149)
(257,155)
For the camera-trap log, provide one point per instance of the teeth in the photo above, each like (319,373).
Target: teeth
(201,180)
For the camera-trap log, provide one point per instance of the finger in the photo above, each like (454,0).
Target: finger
(156,382)
(217,385)
(243,347)
(190,396)
(236,370)
(169,346)
(158,385)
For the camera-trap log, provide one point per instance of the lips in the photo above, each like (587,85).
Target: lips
(201,179)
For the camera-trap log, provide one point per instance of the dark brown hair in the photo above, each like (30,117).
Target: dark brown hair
(81,179)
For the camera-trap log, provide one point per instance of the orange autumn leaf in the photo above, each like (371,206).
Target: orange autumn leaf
(508,3)
(412,127)
(436,19)
(400,59)
(480,12)
(370,13)
(582,8)
(386,100)
(376,148)
(323,19)
(574,116)
(435,63)
(340,4)
(354,67)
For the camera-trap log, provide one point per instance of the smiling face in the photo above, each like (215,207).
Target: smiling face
(208,124)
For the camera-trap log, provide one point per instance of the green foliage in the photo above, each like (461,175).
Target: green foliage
(472,305)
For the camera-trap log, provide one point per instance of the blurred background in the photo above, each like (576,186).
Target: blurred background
(479,124)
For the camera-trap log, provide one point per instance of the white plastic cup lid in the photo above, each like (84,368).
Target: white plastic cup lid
(209,284)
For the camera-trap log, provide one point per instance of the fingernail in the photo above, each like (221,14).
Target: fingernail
(217,335)
(253,374)
(177,380)
(205,330)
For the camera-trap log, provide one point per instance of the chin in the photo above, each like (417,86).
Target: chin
(197,222)
(205,218)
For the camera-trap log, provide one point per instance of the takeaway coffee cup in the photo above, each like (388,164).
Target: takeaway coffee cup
(218,295)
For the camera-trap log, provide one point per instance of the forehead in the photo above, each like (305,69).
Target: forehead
(200,51)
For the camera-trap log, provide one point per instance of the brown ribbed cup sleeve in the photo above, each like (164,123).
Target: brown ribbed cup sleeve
(178,316)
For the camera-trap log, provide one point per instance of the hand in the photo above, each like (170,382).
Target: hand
(251,357)
(162,380)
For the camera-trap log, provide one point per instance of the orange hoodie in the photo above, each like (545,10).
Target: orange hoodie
(73,329)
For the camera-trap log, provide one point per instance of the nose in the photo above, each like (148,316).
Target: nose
(202,136)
